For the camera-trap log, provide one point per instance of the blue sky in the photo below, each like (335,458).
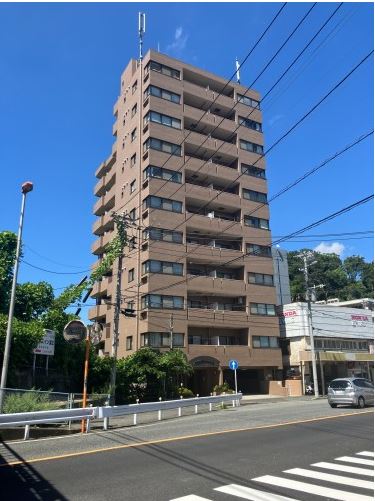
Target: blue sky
(60,73)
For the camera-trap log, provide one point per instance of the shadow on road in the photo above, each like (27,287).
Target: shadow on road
(23,482)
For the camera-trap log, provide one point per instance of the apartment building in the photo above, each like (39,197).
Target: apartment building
(186,167)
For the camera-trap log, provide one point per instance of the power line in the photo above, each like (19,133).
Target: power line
(233,108)
(56,272)
(297,232)
(286,134)
(47,258)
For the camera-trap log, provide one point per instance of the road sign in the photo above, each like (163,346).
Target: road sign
(75,331)
(233,364)
(47,345)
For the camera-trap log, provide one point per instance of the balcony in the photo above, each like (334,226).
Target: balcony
(99,245)
(209,169)
(197,95)
(99,311)
(213,220)
(209,122)
(99,189)
(197,193)
(199,144)
(211,285)
(209,253)
(102,288)
(217,318)
(245,355)
(105,203)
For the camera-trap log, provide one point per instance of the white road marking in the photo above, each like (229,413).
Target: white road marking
(347,469)
(191,497)
(247,493)
(366,453)
(312,489)
(348,459)
(328,477)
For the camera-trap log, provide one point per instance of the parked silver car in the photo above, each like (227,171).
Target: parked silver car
(350,391)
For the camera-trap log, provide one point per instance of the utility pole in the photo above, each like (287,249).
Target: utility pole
(306,256)
(171,331)
(26,188)
(122,221)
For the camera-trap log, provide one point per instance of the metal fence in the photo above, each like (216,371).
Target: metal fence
(21,400)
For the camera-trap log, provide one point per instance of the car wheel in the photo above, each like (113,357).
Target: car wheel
(361,402)
(333,406)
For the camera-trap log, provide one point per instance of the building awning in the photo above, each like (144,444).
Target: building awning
(336,356)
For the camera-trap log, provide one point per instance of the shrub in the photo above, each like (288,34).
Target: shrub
(222,388)
(27,402)
(185,392)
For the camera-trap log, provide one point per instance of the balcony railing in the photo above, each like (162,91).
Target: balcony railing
(216,306)
(213,214)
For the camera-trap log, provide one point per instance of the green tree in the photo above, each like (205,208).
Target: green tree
(354,267)
(368,279)
(8,244)
(25,336)
(32,300)
(176,367)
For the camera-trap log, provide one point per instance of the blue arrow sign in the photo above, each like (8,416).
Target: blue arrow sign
(233,364)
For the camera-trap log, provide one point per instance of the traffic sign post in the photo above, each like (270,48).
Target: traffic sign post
(233,364)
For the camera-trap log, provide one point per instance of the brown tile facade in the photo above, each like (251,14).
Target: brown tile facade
(200,274)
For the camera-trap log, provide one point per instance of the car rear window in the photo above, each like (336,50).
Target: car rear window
(340,384)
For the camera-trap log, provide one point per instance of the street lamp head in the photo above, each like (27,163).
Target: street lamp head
(27,186)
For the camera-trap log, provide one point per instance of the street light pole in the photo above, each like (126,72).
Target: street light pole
(26,188)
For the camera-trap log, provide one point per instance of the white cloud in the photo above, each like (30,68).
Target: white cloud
(333,248)
(179,42)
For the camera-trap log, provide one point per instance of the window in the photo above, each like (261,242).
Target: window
(133,160)
(163,235)
(248,101)
(161,68)
(133,214)
(131,275)
(260,279)
(132,186)
(134,86)
(134,110)
(163,302)
(161,339)
(162,93)
(250,124)
(252,147)
(133,136)
(258,250)
(129,343)
(161,173)
(166,267)
(130,305)
(256,222)
(254,196)
(159,145)
(162,203)
(262,309)
(153,116)
(265,342)
(250,170)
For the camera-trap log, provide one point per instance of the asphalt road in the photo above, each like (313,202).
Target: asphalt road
(172,468)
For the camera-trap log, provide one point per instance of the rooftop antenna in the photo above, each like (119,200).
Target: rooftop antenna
(238,71)
(141,32)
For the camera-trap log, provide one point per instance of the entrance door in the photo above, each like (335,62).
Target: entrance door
(204,380)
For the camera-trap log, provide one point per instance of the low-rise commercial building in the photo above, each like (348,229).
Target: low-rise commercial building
(343,339)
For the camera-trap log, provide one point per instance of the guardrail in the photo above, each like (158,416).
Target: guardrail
(42,417)
(134,409)
(88,413)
